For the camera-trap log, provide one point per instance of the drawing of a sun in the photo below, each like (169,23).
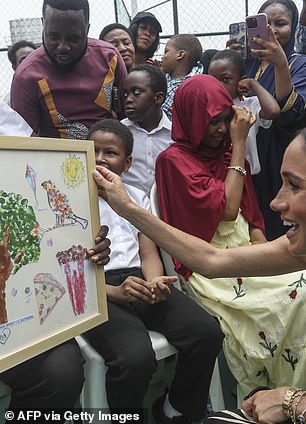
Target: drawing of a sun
(73,171)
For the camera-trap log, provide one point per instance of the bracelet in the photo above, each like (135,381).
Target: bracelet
(288,399)
(242,171)
(300,418)
(295,406)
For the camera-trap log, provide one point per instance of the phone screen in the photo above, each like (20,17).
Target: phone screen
(238,32)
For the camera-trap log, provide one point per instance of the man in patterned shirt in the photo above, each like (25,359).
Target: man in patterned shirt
(66,85)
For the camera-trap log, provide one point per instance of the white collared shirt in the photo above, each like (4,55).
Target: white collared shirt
(251,153)
(147,146)
(122,234)
(11,123)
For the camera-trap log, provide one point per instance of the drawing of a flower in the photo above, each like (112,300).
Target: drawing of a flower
(266,344)
(290,358)
(239,290)
(293,294)
(298,283)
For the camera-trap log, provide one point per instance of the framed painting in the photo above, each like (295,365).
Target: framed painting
(49,215)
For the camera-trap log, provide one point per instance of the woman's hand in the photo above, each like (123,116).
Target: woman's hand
(265,406)
(272,52)
(240,124)
(233,44)
(111,188)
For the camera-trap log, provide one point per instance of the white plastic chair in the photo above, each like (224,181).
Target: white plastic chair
(215,391)
(94,393)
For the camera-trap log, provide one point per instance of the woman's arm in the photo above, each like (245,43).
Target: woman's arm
(274,54)
(269,258)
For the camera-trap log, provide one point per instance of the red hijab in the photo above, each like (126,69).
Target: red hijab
(189,176)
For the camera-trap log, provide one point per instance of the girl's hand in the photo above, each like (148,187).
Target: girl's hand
(272,52)
(240,124)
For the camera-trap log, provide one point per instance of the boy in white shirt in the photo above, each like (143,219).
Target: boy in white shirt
(145,90)
(140,299)
(228,67)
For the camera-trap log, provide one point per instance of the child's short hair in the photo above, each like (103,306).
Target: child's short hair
(234,57)
(158,81)
(190,44)
(115,127)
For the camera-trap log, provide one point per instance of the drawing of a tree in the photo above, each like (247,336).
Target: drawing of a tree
(18,247)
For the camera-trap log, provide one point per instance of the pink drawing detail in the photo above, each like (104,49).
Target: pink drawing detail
(74,266)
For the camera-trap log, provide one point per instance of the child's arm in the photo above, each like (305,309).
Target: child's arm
(240,124)
(269,106)
(152,268)
(151,264)
(256,235)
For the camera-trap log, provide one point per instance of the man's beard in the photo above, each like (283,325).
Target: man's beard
(72,65)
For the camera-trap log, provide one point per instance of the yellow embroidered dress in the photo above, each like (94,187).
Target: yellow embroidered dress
(262,319)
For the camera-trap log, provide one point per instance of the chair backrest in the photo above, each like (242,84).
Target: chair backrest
(181,284)
(167,260)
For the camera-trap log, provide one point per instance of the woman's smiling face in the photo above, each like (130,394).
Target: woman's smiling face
(290,201)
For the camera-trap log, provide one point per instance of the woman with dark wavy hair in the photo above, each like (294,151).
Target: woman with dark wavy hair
(145,29)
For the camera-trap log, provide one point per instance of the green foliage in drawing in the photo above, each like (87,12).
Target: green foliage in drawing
(18,215)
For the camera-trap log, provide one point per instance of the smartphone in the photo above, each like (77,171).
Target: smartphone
(237,30)
(116,106)
(257,26)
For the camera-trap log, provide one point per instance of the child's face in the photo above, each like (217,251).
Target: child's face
(218,129)
(227,73)
(169,61)
(139,99)
(110,153)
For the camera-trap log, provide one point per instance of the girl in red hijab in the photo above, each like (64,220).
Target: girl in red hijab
(205,189)
(203,178)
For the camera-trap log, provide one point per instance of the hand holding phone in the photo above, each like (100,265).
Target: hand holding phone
(237,33)
(257,26)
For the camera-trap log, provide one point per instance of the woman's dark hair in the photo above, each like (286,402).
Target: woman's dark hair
(134,30)
(111,27)
(270,2)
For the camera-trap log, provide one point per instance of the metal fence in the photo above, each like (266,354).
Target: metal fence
(208,19)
